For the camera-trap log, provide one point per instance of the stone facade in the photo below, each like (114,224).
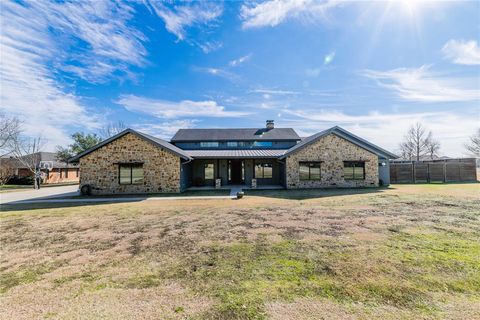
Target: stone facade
(332,151)
(100,168)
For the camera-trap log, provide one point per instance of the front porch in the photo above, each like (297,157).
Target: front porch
(233,173)
(236,187)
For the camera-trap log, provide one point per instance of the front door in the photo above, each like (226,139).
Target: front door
(236,171)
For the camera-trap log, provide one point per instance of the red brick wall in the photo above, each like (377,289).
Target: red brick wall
(54,175)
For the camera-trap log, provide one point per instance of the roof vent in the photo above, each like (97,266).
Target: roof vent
(270,124)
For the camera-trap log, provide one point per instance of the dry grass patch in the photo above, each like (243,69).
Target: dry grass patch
(405,252)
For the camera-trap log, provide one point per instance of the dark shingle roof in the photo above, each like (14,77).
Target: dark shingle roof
(156,141)
(342,133)
(250,134)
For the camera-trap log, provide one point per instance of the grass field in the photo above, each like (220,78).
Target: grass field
(407,252)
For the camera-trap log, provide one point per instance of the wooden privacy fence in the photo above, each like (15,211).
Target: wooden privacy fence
(448,170)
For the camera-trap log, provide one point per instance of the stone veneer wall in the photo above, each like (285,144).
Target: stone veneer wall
(161,168)
(332,150)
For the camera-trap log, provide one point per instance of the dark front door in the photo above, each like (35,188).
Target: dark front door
(236,167)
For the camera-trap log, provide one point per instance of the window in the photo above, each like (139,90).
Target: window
(309,170)
(354,170)
(263,170)
(66,173)
(262,144)
(209,171)
(131,173)
(209,144)
(77,172)
(232,144)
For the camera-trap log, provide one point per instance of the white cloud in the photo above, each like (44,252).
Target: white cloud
(462,52)
(210,46)
(329,58)
(387,129)
(420,84)
(173,109)
(239,61)
(218,72)
(272,13)
(275,92)
(29,88)
(166,129)
(178,18)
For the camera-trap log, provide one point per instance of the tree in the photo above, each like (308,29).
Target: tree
(7,171)
(433,146)
(10,130)
(27,152)
(82,142)
(473,146)
(417,143)
(112,129)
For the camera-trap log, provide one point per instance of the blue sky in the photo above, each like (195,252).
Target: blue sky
(373,68)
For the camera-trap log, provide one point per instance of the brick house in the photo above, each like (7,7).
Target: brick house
(54,171)
(134,162)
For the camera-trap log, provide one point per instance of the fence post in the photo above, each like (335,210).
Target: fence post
(428,172)
(444,171)
(413,172)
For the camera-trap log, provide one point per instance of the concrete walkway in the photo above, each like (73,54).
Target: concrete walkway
(55,195)
(42,193)
(124,199)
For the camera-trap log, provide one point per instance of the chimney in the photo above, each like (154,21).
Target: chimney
(270,124)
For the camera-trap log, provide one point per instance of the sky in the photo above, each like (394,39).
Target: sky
(373,68)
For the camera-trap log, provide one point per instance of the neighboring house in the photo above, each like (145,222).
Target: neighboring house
(134,162)
(54,171)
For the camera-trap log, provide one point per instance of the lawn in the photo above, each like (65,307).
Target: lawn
(407,252)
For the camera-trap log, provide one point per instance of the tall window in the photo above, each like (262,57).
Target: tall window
(309,170)
(263,170)
(131,173)
(262,143)
(77,172)
(209,144)
(354,170)
(209,170)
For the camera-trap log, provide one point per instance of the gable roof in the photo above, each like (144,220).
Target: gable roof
(342,133)
(156,141)
(246,134)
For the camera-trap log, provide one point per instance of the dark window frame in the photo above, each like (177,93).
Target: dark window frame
(262,165)
(262,144)
(205,165)
(131,166)
(354,165)
(209,144)
(310,164)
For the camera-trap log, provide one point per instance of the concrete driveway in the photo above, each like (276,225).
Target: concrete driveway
(43,193)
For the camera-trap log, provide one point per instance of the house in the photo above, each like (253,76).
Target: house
(135,162)
(54,171)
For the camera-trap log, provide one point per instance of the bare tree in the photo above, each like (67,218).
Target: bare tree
(27,153)
(112,129)
(9,134)
(473,146)
(433,147)
(418,143)
(7,170)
